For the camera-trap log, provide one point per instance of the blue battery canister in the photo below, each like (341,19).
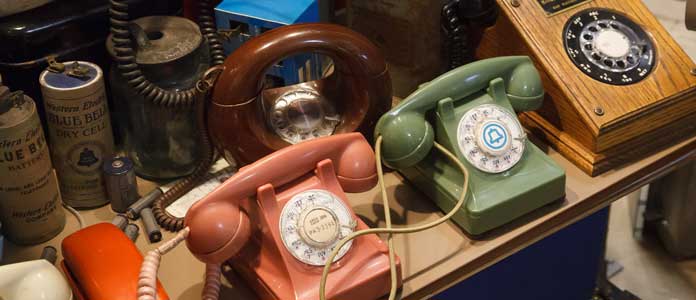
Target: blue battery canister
(121,184)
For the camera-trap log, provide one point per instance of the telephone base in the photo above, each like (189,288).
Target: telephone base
(492,200)
(273,273)
(596,163)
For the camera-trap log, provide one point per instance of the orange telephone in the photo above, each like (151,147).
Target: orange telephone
(101,262)
(277,222)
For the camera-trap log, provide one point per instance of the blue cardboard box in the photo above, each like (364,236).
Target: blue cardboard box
(250,18)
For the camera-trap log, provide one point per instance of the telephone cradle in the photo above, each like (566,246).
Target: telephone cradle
(472,112)
(292,210)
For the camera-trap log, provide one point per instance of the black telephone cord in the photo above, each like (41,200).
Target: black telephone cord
(459,19)
(191,98)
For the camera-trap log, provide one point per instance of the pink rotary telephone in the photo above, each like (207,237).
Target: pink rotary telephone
(276,222)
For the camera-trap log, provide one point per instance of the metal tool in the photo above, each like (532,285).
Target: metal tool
(120,221)
(151,228)
(132,231)
(50,254)
(133,211)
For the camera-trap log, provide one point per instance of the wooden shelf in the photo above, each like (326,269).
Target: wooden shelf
(432,260)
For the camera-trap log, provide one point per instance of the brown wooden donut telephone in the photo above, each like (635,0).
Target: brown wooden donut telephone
(247,122)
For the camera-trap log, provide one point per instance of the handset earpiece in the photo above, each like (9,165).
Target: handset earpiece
(524,87)
(218,231)
(355,167)
(406,139)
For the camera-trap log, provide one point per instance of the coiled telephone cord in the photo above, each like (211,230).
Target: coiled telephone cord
(147,280)
(190,98)
(127,65)
(388,229)
(461,21)
(199,175)
(456,43)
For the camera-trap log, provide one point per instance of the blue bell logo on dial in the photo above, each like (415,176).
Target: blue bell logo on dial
(490,138)
(494,136)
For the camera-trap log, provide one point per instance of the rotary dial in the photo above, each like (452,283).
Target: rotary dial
(302,115)
(312,223)
(490,138)
(609,47)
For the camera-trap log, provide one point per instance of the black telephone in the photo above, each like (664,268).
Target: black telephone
(462,23)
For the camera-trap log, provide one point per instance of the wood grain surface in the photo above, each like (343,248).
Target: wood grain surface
(638,119)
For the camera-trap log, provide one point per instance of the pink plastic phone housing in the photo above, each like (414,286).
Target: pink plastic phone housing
(257,252)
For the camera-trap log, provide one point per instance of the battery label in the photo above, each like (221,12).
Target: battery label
(80,131)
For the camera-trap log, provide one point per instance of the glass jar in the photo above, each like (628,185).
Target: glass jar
(161,141)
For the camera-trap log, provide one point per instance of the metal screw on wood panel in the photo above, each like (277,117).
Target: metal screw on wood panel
(693,71)
(599,111)
(515,3)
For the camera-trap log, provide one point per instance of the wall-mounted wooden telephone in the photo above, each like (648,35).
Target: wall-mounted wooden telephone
(471,111)
(277,220)
(247,122)
(619,87)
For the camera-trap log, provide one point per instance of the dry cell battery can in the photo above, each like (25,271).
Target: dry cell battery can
(121,184)
(79,130)
(30,203)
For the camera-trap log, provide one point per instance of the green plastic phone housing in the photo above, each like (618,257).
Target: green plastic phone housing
(492,199)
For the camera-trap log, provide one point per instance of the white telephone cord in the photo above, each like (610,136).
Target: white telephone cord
(147,280)
(80,221)
(387,218)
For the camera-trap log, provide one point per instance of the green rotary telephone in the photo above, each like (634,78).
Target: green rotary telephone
(471,111)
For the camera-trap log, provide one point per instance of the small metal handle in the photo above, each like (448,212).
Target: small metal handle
(78,71)
(228,34)
(54,66)
(209,78)
(10,100)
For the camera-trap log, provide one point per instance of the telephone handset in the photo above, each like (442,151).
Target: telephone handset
(247,122)
(471,111)
(462,25)
(408,137)
(277,220)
